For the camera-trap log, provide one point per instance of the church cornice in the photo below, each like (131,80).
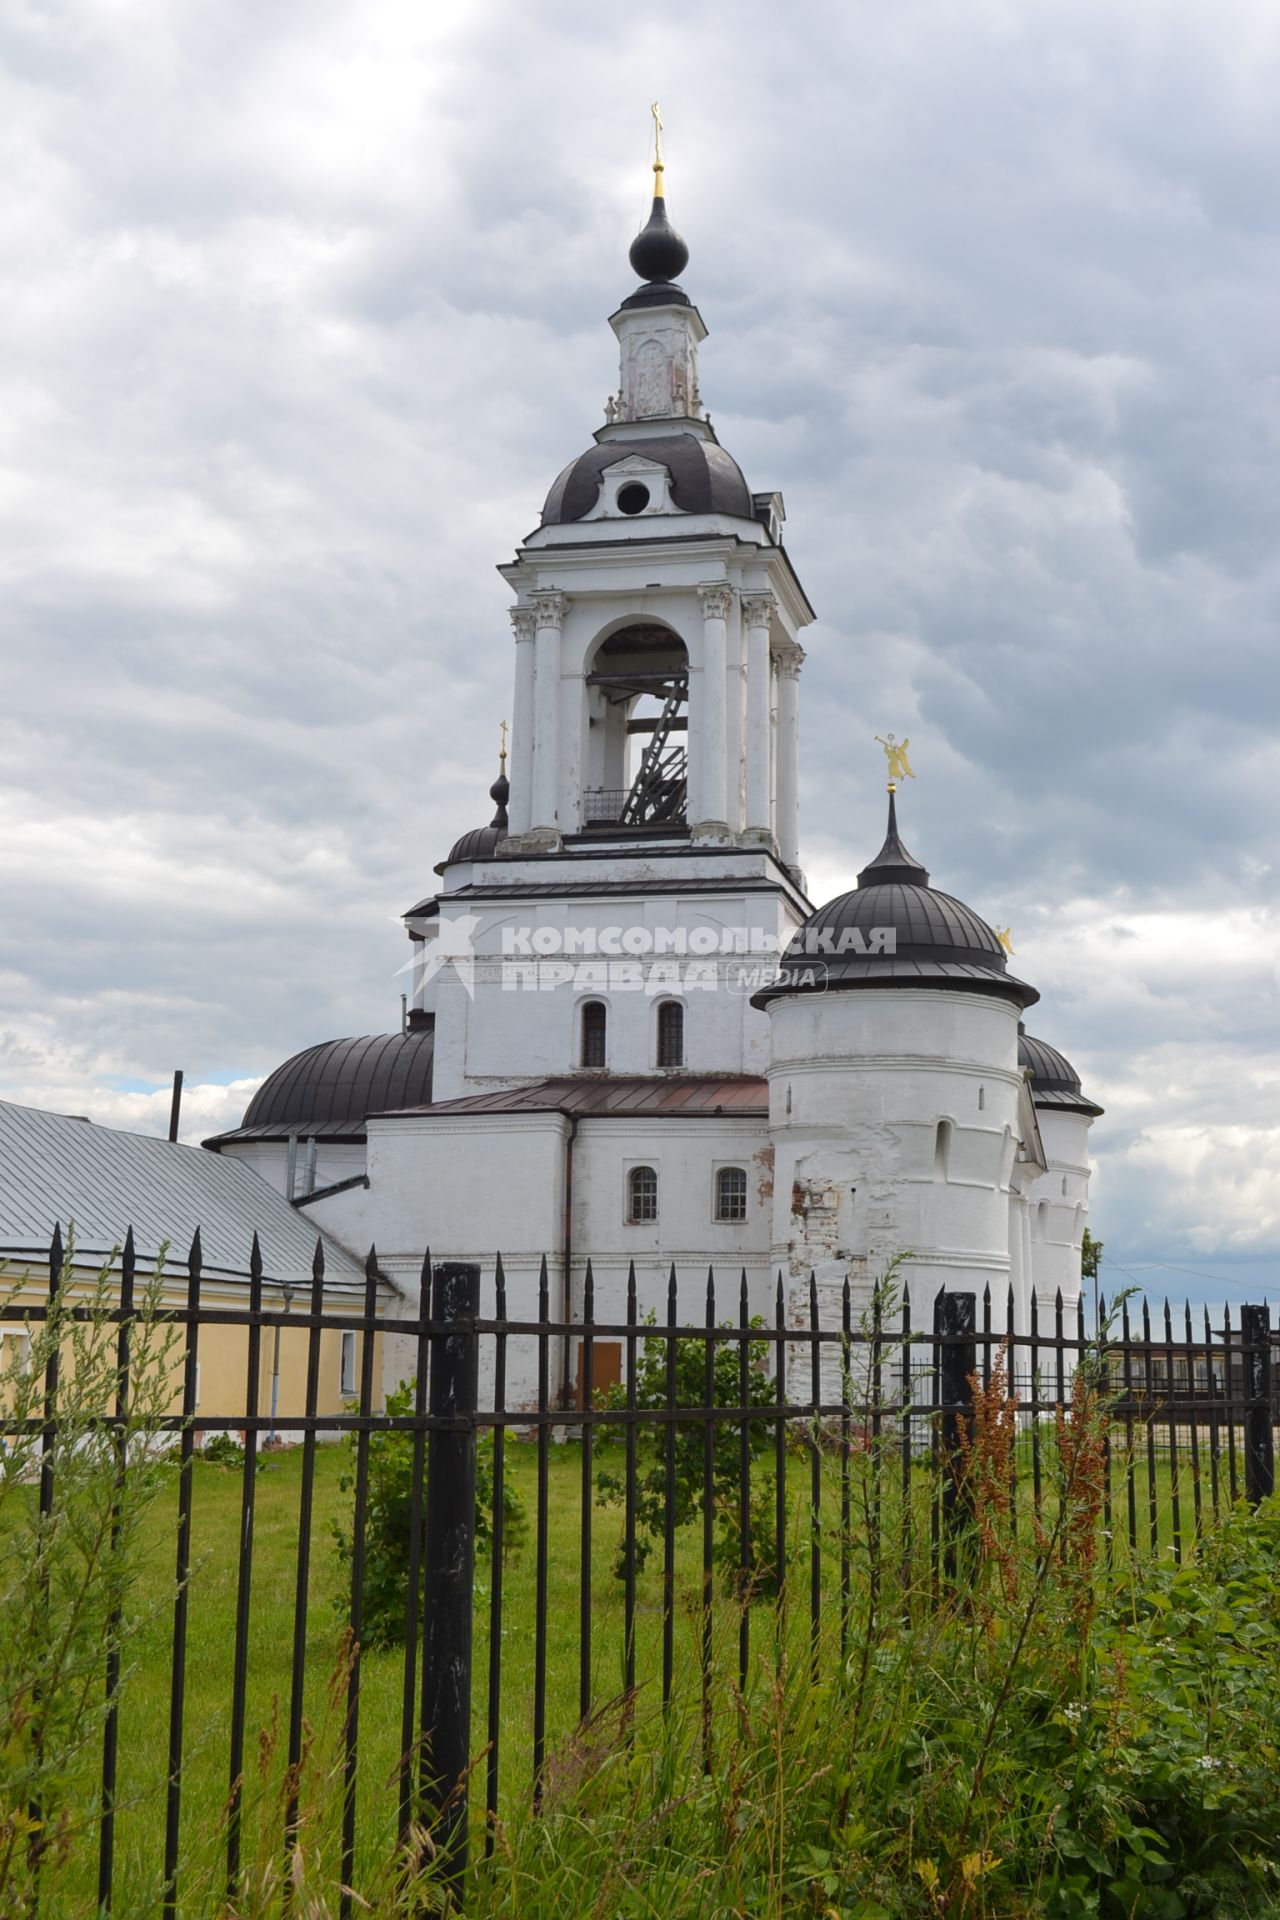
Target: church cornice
(610,549)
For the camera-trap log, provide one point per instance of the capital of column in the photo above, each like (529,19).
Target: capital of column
(789,663)
(522,622)
(716,601)
(548,608)
(757,608)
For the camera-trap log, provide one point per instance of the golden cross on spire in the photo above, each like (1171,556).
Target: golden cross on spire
(502,751)
(656,111)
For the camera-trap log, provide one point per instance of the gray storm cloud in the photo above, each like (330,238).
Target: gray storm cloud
(306,311)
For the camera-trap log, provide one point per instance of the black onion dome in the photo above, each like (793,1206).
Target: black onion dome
(895,930)
(1054,1081)
(658,253)
(704,478)
(329,1089)
(481,842)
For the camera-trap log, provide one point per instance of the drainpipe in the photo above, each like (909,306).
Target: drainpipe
(288,1291)
(566,1305)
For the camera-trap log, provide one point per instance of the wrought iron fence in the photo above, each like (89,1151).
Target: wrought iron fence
(828,1451)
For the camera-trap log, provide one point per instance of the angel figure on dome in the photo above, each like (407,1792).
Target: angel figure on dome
(895,752)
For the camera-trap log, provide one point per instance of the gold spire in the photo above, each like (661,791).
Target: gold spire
(654,109)
(502,751)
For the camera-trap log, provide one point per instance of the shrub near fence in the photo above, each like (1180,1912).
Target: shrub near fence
(831,1457)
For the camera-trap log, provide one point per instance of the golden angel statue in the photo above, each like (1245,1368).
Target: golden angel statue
(895,752)
(1005,938)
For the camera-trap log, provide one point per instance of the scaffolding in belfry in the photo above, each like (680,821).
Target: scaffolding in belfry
(658,791)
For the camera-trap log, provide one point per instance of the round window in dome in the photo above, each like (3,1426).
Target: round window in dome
(633,498)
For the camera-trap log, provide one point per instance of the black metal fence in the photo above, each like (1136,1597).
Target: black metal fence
(827,1452)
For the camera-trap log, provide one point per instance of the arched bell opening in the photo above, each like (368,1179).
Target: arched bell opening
(638,722)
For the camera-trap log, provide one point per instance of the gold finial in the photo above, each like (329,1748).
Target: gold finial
(502,751)
(1005,938)
(657,149)
(895,752)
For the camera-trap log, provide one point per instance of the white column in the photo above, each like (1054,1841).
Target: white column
(789,758)
(520,805)
(419,975)
(711,777)
(734,723)
(548,612)
(756,608)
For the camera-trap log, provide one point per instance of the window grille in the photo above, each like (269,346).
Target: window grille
(642,1195)
(671,1034)
(731,1193)
(594,1027)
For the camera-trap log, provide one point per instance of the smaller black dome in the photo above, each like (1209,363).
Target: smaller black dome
(658,252)
(1054,1081)
(478,844)
(481,842)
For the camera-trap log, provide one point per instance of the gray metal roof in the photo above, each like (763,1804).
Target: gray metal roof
(1054,1081)
(328,1089)
(55,1170)
(595,1096)
(704,478)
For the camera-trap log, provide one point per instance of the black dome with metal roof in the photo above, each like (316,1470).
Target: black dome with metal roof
(895,930)
(1054,1081)
(704,478)
(481,843)
(329,1089)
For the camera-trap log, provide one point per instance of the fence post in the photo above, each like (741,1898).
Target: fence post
(957,1364)
(450,1556)
(1259,1446)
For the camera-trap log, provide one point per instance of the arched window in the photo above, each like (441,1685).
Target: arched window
(942,1150)
(642,1195)
(731,1193)
(671,1034)
(594,1027)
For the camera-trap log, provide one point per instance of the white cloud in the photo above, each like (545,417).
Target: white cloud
(306,309)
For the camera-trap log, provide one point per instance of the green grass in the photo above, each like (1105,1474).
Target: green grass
(212,1602)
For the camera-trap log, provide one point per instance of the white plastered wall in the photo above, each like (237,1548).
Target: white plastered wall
(861,1082)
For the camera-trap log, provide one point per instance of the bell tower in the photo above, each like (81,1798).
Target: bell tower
(648,866)
(657,614)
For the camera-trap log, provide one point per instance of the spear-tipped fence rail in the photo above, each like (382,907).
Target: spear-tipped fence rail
(869,1403)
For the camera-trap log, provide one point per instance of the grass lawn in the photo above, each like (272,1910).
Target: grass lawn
(145,1709)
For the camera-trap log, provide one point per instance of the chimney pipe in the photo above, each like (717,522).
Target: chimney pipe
(176,1108)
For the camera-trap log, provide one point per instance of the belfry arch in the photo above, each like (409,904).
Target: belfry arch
(637,767)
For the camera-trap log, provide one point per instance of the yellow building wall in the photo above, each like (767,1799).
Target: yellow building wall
(222,1352)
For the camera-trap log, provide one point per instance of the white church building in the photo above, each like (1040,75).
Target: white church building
(633,1037)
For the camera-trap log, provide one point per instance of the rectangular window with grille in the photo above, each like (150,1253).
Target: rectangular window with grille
(594,1028)
(642,1195)
(731,1193)
(671,1034)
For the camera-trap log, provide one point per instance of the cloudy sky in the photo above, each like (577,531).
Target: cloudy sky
(305,307)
